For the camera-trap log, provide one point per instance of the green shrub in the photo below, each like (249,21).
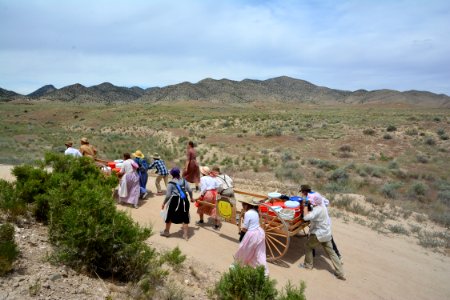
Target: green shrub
(31,182)
(87,231)
(174,258)
(398,228)
(290,292)
(391,128)
(427,240)
(339,175)
(411,131)
(10,204)
(418,189)
(393,165)
(8,248)
(322,164)
(369,131)
(387,136)
(244,282)
(389,190)
(370,170)
(430,141)
(345,148)
(440,131)
(422,158)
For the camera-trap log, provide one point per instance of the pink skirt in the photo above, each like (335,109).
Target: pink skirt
(252,249)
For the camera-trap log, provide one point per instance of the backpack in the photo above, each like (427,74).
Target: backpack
(181,190)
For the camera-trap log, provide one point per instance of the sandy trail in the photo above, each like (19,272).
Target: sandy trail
(376,266)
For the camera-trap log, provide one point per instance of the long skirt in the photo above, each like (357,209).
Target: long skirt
(132,180)
(252,249)
(178,211)
(192,173)
(210,197)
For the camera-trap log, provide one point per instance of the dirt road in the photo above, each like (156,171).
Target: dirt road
(376,266)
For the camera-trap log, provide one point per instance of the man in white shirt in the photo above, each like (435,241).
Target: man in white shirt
(320,234)
(70,150)
(225,181)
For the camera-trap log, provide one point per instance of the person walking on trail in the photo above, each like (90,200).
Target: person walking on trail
(139,158)
(208,195)
(191,171)
(252,247)
(311,196)
(129,181)
(320,234)
(176,204)
(162,172)
(71,150)
(225,181)
(87,149)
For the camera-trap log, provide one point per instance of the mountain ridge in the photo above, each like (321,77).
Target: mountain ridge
(283,89)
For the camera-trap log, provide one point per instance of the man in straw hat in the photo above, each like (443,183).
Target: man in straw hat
(71,150)
(139,158)
(87,149)
(161,170)
(319,234)
(252,248)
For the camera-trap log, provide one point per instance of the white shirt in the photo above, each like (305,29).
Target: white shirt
(251,220)
(127,167)
(320,225)
(208,183)
(225,181)
(72,151)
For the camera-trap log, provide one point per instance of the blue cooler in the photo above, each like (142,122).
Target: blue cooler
(296,198)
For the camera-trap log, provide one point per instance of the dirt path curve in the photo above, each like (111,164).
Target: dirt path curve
(376,266)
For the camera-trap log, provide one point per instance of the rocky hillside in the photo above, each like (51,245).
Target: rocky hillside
(6,95)
(284,89)
(41,92)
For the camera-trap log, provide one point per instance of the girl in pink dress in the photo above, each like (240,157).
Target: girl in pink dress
(252,249)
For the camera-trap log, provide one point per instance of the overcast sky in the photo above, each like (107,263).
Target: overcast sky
(342,44)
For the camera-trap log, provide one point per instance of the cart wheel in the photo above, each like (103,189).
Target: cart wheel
(277,233)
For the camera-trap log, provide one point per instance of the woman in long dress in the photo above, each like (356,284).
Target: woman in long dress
(252,248)
(191,171)
(208,191)
(129,190)
(176,207)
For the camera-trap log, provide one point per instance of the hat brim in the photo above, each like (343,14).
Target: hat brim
(248,200)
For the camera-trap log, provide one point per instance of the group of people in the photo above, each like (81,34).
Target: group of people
(86,149)
(211,184)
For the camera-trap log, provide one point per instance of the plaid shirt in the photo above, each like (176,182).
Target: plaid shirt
(160,167)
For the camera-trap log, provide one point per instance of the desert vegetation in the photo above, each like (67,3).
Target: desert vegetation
(393,156)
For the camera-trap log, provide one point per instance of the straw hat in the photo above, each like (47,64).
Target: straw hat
(69,144)
(156,156)
(248,200)
(139,154)
(84,140)
(205,170)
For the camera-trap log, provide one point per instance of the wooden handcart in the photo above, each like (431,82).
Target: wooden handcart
(278,230)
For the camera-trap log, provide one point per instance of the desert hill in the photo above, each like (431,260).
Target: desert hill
(46,89)
(283,89)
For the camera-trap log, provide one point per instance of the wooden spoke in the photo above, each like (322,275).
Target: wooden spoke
(275,240)
(273,245)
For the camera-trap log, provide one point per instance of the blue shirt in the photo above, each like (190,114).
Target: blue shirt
(160,167)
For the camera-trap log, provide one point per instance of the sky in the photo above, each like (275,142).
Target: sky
(341,44)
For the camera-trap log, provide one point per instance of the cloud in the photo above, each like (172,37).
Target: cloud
(154,43)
